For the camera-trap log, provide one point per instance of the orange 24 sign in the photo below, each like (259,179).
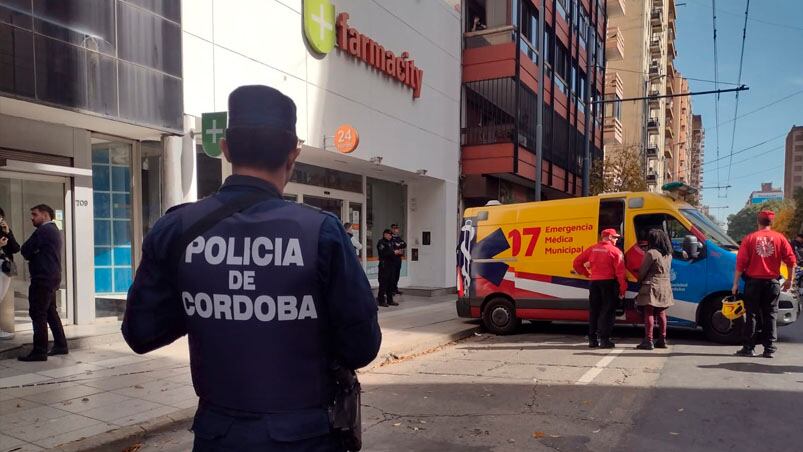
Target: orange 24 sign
(346,139)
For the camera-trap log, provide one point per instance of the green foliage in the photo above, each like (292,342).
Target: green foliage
(745,221)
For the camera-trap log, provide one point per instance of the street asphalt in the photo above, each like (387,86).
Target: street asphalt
(543,389)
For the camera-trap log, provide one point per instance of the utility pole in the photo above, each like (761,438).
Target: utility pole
(539,126)
(587,100)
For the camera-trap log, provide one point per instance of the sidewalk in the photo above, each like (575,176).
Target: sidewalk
(104,392)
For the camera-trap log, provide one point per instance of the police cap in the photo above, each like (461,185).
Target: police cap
(261,106)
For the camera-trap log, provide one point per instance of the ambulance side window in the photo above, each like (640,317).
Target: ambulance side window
(612,215)
(674,228)
(677,232)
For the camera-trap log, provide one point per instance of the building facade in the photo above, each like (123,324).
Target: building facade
(501,97)
(100,117)
(767,193)
(646,31)
(697,155)
(679,133)
(89,91)
(793,161)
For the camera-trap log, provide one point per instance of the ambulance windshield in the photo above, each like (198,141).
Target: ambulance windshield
(711,230)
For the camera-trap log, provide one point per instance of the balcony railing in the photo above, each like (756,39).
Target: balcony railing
(657,19)
(612,131)
(489,37)
(652,125)
(492,134)
(652,151)
(615,45)
(652,178)
(656,46)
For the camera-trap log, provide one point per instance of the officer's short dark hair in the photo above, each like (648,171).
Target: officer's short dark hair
(347,225)
(260,147)
(45,208)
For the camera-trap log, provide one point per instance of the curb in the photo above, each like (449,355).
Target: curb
(74,343)
(120,439)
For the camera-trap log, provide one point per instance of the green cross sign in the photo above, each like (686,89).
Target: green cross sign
(213,128)
(319,25)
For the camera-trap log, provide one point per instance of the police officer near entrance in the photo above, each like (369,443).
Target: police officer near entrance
(604,264)
(268,292)
(399,245)
(759,260)
(387,269)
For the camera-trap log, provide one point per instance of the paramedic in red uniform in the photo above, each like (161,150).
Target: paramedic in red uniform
(759,259)
(604,264)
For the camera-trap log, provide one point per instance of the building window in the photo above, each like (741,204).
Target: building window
(151,181)
(561,6)
(613,109)
(798,178)
(529,23)
(386,205)
(111,185)
(324,177)
(799,158)
(798,168)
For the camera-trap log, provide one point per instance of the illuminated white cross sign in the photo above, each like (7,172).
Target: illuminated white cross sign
(323,25)
(214,131)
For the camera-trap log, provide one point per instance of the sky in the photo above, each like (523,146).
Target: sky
(772,69)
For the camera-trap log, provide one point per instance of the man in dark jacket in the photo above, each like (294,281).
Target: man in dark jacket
(270,295)
(387,269)
(43,253)
(797,246)
(399,248)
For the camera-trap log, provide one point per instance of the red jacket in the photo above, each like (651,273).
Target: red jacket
(605,261)
(761,254)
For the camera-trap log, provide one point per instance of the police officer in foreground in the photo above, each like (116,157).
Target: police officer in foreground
(604,264)
(268,292)
(759,260)
(387,269)
(399,246)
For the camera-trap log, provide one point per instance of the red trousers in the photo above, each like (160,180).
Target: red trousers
(650,314)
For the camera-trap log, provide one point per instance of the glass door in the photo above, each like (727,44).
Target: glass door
(18,194)
(331,205)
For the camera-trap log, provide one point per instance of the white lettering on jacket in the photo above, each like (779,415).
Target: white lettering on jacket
(241,307)
(247,251)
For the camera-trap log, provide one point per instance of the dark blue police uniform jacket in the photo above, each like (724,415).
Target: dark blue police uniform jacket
(269,297)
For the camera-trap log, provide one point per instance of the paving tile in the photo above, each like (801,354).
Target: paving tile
(56,427)
(191,402)
(121,361)
(12,406)
(32,414)
(25,391)
(125,408)
(49,396)
(145,416)
(53,362)
(9,442)
(119,382)
(172,396)
(20,380)
(90,402)
(149,390)
(77,369)
(12,372)
(75,435)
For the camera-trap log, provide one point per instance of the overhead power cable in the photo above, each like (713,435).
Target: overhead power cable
(716,80)
(736,109)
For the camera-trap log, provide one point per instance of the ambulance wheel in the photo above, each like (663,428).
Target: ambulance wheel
(499,316)
(718,328)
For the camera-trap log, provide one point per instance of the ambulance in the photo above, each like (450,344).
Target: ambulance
(514,262)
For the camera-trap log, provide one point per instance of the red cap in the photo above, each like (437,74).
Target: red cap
(610,233)
(768,214)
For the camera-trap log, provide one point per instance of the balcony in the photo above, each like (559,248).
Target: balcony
(657,20)
(652,125)
(668,130)
(652,151)
(656,46)
(668,152)
(612,130)
(614,84)
(615,8)
(670,48)
(489,37)
(652,177)
(655,69)
(670,110)
(654,101)
(615,45)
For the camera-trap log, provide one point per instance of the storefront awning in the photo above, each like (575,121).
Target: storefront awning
(42,168)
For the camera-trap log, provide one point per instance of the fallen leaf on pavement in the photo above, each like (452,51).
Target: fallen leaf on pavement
(597,430)
(138,387)
(133,448)
(85,399)
(680,410)
(397,424)
(674,433)
(538,435)
(511,440)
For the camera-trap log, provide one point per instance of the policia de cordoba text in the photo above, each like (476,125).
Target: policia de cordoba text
(261,252)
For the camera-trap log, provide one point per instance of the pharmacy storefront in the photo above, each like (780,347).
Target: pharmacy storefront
(377,92)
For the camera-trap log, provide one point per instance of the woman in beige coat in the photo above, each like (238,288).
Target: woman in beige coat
(655,294)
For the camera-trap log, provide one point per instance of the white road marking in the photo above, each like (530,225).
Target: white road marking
(592,373)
